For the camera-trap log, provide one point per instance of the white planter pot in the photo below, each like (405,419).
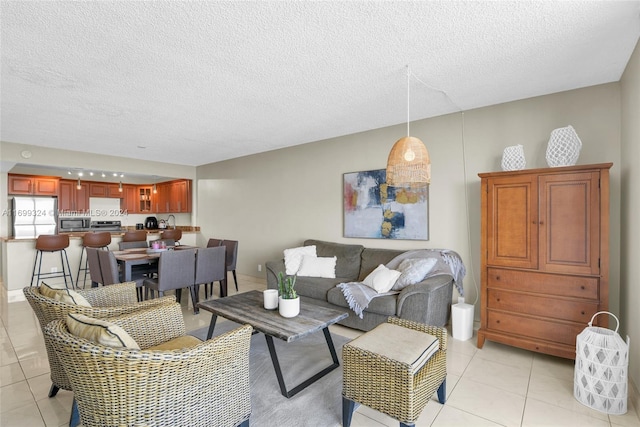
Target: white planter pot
(289,307)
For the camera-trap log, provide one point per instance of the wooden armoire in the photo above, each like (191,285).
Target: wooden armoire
(544,256)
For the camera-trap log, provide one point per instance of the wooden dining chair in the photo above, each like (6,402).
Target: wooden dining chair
(176,270)
(210,268)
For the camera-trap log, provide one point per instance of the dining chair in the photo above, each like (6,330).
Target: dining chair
(232,257)
(176,270)
(111,273)
(132,244)
(91,240)
(210,267)
(212,243)
(95,274)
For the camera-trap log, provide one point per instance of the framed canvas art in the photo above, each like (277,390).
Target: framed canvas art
(377,211)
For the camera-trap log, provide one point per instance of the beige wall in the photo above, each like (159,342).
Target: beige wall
(630,205)
(275,200)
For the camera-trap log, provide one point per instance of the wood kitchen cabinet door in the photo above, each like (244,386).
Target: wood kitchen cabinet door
(33,185)
(72,199)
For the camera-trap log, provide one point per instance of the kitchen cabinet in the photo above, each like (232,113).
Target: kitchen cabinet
(33,185)
(544,256)
(101,189)
(145,199)
(72,199)
(173,197)
(129,200)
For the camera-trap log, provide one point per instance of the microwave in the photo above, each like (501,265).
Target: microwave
(74,223)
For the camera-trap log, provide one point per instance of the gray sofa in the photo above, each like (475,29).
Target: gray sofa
(427,302)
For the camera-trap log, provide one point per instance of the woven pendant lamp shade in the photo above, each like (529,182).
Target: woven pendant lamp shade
(409,163)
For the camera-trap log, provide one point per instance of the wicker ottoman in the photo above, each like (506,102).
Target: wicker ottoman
(395,369)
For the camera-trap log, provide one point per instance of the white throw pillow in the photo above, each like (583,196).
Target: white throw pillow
(312,266)
(293,258)
(100,331)
(413,270)
(381,279)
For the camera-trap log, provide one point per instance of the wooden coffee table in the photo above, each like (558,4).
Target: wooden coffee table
(247,308)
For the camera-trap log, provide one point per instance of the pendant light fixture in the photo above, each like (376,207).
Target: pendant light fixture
(155,189)
(79,185)
(120,187)
(408,163)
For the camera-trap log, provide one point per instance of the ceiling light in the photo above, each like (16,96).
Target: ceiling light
(80,174)
(68,172)
(408,163)
(121,175)
(91,173)
(103,174)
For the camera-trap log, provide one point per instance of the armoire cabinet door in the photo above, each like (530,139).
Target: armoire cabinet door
(512,226)
(570,223)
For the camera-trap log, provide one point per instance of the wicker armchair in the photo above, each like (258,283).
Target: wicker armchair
(106,301)
(205,384)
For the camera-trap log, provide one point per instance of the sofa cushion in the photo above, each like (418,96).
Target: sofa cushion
(372,258)
(316,287)
(312,266)
(62,293)
(100,331)
(385,305)
(348,257)
(293,258)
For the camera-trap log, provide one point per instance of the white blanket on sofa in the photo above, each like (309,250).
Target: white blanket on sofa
(359,295)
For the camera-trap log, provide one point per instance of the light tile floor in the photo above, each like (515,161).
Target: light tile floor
(495,386)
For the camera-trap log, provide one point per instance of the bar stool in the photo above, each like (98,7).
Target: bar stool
(135,236)
(52,243)
(174,234)
(91,240)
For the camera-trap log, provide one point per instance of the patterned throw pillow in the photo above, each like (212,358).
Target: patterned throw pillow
(293,258)
(63,294)
(100,331)
(413,270)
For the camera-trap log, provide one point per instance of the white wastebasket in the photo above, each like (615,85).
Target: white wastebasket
(462,315)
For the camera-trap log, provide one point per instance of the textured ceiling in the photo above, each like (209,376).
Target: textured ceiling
(199,82)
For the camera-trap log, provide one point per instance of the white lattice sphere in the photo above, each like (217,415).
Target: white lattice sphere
(564,147)
(513,158)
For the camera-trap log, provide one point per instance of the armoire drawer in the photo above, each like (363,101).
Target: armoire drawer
(540,305)
(552,284)
(539,328)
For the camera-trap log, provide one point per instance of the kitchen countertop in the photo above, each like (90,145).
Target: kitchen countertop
(80,234)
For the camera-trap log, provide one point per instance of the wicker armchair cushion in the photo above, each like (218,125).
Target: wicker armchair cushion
(100,331)
(63,294)
(185,341)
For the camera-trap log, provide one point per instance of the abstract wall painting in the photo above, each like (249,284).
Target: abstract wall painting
(377,211)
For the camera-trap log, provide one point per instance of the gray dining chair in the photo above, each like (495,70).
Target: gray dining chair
(111,273)
(232,258)
(210,268)
(132,245)
(176,270)
(95,274)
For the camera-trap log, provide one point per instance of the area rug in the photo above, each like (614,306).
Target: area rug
(320,404)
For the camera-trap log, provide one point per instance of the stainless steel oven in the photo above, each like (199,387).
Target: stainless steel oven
(73,223)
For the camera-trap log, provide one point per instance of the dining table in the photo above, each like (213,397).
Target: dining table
(127,258)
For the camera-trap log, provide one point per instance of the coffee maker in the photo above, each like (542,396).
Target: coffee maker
(151,223)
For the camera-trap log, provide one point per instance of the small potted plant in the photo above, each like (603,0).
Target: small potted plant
(289,301)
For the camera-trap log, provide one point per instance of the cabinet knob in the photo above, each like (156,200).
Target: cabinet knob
(497,277)
(497,321)
(498,299)
(541,223)
(582,312)
(582,287)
